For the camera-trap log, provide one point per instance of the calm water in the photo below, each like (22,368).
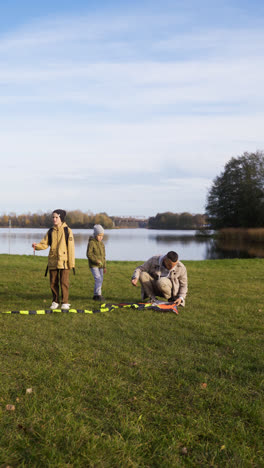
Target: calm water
(131,244)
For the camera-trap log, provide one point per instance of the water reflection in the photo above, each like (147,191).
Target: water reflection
(134,244)
(183,239)
(221,250)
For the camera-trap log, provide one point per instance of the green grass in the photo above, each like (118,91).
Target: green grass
(133,388)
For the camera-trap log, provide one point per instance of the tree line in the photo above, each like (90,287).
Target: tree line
(76,219)
(170,220)
(79,220)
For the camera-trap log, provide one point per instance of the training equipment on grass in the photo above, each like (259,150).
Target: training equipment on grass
(157,306)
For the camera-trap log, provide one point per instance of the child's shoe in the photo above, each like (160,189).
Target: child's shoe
(98,298)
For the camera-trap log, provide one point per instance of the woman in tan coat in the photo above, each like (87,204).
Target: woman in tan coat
(61,258)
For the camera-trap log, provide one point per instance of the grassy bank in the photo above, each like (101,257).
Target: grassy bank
(253,235)
(130,388)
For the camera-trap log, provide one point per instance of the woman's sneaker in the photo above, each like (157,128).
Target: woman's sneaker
(54,305)
(65,306)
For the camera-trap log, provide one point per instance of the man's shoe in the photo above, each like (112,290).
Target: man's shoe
(65,306)
(54,305)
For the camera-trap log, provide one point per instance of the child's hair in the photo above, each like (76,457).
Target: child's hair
(61,213)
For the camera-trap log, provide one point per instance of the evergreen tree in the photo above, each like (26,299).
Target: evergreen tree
(236,198)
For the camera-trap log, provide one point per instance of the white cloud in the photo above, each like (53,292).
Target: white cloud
(198,145)
(139,89)
(88,98)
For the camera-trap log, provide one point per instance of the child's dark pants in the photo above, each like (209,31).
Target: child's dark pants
(62,277)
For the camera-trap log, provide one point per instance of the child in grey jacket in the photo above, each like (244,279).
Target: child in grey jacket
(97,263)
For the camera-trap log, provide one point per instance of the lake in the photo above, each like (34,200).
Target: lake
(132,244)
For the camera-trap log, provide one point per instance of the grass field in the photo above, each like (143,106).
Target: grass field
(133,388)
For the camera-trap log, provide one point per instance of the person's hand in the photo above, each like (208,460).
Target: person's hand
(34,245)
(178,301)
(134,281)
(104,270)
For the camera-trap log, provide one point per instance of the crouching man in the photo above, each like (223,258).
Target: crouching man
(164,276)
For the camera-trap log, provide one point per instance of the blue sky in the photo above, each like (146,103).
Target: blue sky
(129,108)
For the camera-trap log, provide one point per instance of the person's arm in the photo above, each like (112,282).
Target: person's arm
(43,244)
(183,281)
(71,250)
(104,262)
(179,301)
(182,292)
(144,267)
(135,275)
(89,246)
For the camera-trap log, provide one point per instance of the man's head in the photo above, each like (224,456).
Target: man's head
(170,260)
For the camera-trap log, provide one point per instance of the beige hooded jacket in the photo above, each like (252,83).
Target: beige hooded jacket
(60,256)
(178,275)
